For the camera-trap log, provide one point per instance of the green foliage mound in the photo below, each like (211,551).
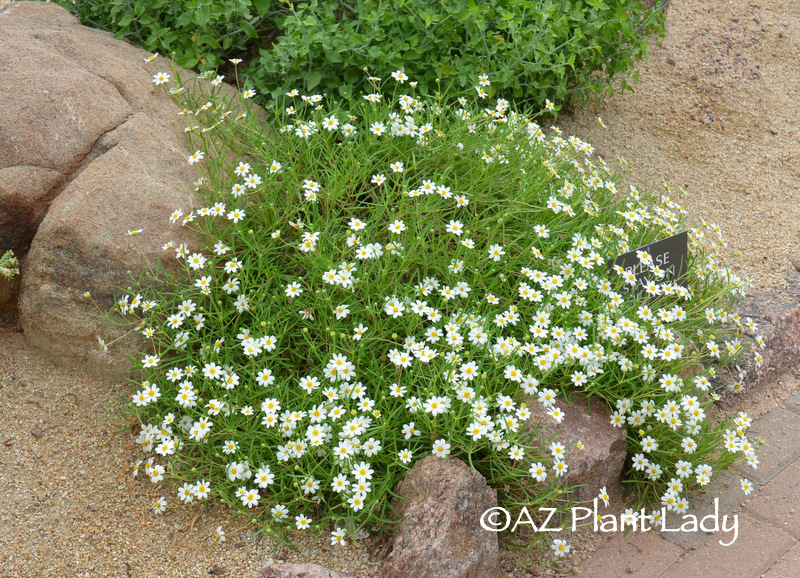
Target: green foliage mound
(406,278)
(535,49)
(197,34)
(9,265)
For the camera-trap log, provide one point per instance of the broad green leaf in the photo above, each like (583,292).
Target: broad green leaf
(312,80)
(202,16)
(248,29)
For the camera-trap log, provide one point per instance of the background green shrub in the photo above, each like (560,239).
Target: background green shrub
(534,49)
(200,33)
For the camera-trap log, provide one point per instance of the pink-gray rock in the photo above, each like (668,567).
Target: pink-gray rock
(82,244)
(602,458)
(440,535)
(298,571)
(25,195)
(89,149)
(776,313)
(794,259)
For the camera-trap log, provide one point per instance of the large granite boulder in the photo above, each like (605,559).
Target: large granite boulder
(89,149)
(440,535)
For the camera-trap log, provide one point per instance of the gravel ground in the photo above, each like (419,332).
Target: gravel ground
(716,112)
(70,506)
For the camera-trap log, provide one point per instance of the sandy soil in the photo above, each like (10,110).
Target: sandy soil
(717,112)
(71,507)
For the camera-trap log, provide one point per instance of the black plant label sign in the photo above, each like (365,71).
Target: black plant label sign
(671,255)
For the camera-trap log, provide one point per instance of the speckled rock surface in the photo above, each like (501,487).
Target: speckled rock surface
(602,458)
(298,571)
(441,503)
(89,151)
(776,313)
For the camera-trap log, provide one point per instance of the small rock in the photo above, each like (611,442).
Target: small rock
(773,130)
(298,571)
(794,259)
(37,432)
(602,458)
(670,61)
(441,503)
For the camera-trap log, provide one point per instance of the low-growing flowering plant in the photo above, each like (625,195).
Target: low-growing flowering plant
(9,266)
(406,279)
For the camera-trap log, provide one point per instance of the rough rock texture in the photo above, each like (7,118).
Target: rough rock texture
(25,193)
(88,150)
(776,312)
(602,458)
(82,244)
(794,259)
(440,534)
(298,571)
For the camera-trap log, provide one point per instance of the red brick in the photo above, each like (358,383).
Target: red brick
(780,429)
(642,554)
(756,548)
(779,501)
(787,566)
